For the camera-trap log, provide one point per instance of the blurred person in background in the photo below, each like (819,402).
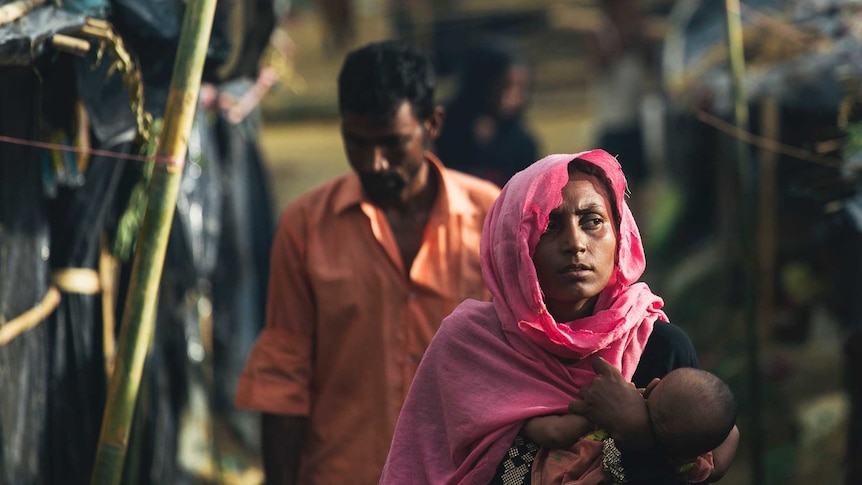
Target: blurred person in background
(339,17)
(485,134)
(363,270)
(621,54)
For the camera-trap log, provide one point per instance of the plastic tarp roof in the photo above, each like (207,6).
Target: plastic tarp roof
(820,43)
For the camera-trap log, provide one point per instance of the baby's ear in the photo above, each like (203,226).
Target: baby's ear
(650,387)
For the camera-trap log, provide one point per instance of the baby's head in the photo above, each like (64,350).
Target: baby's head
(692,411)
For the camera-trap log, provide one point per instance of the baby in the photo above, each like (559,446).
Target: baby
(691,412)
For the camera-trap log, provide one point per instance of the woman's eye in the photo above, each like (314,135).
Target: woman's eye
(593,222)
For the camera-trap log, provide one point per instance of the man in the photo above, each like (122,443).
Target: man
(363,270)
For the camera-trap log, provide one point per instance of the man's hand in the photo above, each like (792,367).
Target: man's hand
(616,405)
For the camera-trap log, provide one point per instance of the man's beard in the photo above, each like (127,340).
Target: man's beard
(382,186)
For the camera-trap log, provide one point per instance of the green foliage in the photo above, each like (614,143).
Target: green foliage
(781,464)
(853,146)
(130,222)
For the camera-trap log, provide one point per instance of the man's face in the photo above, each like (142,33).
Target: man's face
(388,153)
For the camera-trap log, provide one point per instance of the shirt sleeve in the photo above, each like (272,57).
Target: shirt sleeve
(277,375)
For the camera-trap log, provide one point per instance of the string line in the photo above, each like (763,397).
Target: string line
(170,161)
(767,143)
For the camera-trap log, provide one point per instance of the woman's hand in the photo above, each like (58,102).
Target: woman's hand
(616,405)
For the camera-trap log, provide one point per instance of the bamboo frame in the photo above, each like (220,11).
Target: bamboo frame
(31,318)
(748,259)
(139,315)
(15,10)
(767,218)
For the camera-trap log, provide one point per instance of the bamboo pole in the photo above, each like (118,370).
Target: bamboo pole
(767,217)
(748,257)
(139,314)
(13,11)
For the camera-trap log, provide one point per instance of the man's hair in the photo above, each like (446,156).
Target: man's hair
(701,414)
(376,79)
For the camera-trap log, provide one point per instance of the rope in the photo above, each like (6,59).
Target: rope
(82,281)
(31,318)
(767,143)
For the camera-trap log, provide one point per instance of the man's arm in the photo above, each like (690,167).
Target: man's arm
(557,432)
(282,439)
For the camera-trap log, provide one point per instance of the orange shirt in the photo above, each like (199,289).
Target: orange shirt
(345,326)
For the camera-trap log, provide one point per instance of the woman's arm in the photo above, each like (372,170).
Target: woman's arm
(557,432)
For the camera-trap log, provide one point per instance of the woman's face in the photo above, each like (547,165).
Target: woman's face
(511,92)
(575,256)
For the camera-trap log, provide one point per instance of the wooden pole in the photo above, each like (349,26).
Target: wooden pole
(767,217)
(748,257)
(139,315)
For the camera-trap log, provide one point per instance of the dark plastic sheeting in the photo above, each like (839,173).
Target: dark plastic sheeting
(24,40)
(23,283)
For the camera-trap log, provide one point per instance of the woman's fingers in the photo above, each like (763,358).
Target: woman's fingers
(579,407)
(604,369)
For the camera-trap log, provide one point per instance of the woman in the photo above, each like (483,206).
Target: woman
(485,133)
(561,254)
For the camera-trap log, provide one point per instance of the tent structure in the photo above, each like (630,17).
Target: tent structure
(90,76)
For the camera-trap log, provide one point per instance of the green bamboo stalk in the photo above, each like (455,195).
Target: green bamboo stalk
(748,257)
(139,315)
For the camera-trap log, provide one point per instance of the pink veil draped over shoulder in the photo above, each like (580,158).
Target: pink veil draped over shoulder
(493,365)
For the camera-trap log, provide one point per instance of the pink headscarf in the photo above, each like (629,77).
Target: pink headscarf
(493,365)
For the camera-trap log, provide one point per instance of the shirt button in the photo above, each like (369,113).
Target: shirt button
(412,296)
(413,359)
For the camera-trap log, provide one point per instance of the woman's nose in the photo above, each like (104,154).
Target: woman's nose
(575,239)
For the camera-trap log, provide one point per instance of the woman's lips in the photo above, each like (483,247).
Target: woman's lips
(576,269)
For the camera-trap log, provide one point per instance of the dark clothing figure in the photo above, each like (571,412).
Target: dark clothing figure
(340,19)
(484,133)
(623,62)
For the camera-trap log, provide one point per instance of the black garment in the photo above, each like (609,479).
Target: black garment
(511,150)
(668,348)
(627,145)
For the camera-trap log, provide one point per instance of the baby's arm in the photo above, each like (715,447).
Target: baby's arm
(723,456)
(557,432)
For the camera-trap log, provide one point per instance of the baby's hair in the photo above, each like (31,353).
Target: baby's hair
(697,413)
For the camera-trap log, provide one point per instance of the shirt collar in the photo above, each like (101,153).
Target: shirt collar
(451,197)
